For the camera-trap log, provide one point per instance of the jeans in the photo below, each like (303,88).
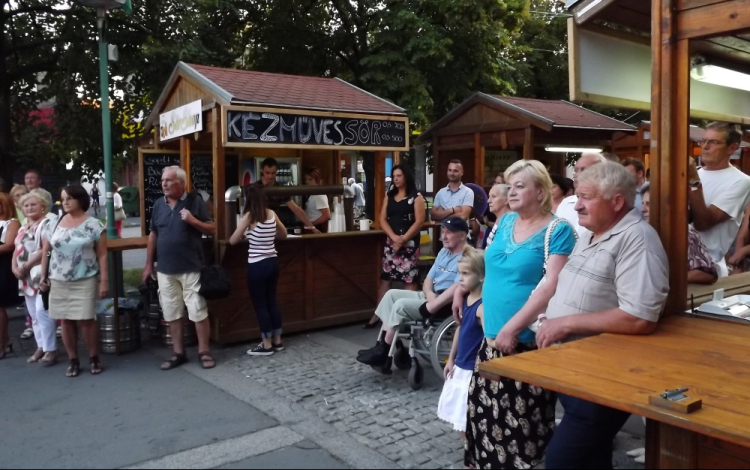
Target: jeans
(584,437)
(262,279)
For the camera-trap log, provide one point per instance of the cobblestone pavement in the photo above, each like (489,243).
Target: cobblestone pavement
(381,412)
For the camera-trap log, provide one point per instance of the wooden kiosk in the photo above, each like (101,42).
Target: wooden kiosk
(707,356)
(488,133)
(326,279)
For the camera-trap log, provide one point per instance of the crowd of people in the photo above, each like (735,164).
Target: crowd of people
(570,266)
(575,259)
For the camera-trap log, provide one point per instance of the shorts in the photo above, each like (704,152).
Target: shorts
(177,291)
(454,401)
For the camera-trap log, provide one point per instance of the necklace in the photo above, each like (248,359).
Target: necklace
(527,228)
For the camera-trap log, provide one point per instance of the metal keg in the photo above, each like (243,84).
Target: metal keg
(189,335)
(130,331)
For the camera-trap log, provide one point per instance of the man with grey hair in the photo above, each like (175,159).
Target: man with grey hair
(615,281)
(359,197)
(567,208)
(719,192)
(178,222)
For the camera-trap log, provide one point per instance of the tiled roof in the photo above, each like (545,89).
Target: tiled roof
(271,89)
(565,114)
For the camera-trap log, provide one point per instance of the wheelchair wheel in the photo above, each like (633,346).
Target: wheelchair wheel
(416,375)
(401,358)
(442,342)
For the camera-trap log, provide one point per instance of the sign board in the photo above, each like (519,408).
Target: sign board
(612,68)
(258,127)
(496,162)
(152,165)
(202,173)
(181,121)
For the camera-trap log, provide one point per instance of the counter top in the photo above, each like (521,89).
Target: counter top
(124,244)
(324,236)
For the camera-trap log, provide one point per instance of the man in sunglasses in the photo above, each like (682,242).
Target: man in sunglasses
(718,192)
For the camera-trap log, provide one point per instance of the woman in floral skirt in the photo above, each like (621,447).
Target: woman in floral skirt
(401,219)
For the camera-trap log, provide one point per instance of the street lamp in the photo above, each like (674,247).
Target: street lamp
(102,6)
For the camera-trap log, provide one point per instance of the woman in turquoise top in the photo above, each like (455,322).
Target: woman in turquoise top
(510,423)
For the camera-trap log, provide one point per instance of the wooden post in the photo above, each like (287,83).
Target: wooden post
(669,146)
(528,144)
(396,158)
(185,161)
(478,160)
(219,183)
(379,186)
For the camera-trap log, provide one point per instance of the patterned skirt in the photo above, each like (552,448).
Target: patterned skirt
(401,266)
(509,423)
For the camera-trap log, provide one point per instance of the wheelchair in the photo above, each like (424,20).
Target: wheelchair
(430,339)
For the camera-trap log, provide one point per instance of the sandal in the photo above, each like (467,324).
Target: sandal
(49,359)
(207,362)
(74,368)
(175,361)
(35,358)
(96,365)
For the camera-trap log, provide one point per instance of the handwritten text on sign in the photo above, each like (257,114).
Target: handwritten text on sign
(153,166)
(251,127)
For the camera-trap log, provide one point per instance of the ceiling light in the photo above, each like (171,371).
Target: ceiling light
(551,148)
(720,76)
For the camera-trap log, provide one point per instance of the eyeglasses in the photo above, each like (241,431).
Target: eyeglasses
(711,143)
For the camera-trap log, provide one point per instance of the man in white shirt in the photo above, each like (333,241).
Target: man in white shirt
(719,193)
(567,208)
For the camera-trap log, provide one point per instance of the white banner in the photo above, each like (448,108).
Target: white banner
(181,121)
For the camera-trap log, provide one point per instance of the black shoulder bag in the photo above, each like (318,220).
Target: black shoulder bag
(45,295)
(215,282)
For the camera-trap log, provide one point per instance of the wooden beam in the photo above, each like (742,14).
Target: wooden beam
(219,183)
(396,158)
(718,19)
(528,144)
(589,9)
(185,161)
(379,186)
(478,160)
(669,147)
(690,4)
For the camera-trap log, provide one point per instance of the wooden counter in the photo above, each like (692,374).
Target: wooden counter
(325,280)
(708,356)
(732,285)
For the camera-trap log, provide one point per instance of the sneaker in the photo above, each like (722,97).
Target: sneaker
(635,453)
(278,347)
(259,350)
(641,460)
(59,331)
(28,333)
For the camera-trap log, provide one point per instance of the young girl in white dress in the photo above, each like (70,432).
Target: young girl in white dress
(453,403)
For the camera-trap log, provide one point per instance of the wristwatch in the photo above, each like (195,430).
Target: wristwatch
(695,186)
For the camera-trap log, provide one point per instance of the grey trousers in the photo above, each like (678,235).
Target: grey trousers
(399,306)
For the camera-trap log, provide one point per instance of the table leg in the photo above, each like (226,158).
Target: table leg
(115,273)
(671,447)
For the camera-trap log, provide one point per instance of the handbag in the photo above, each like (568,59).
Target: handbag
(45,295)
(215,283)
(120,214)
(534,326)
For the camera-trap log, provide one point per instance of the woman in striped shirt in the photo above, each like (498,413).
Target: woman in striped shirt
(260,226)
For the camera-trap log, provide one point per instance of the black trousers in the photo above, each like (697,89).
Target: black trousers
(262,280)
(584,437)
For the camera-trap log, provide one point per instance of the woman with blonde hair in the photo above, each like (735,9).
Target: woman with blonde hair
(27,259)
(510,424)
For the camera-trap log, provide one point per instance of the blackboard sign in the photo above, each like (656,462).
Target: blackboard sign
(202,173)
(264,128)
(153,165)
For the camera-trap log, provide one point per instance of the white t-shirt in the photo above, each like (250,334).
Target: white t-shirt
(567,210)
(314,206)
(728,190)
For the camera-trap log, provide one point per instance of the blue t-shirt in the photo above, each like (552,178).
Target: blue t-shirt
(469,336)
(444,272)
(513,270)
(448,199)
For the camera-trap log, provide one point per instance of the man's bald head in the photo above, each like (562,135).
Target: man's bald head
(587,160)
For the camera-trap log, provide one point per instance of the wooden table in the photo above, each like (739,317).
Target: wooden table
(708,356)
(732,285)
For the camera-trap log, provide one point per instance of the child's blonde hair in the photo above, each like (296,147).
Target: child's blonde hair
(474,259)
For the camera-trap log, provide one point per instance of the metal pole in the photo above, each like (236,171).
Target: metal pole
(106,124)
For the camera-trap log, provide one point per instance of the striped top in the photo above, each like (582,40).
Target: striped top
(261,241)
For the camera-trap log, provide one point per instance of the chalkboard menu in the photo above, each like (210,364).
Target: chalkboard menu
(153,165)
(259,128)
(201,173)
